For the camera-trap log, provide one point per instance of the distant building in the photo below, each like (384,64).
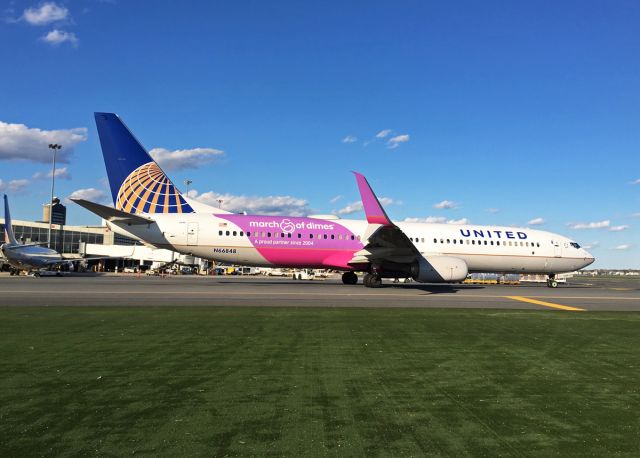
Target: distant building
(57,211)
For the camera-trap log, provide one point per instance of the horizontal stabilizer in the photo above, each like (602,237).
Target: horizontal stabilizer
(112,215)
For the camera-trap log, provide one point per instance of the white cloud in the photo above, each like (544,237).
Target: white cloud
(619,228)
(383,133)
(18,141)
(458,221)
(335,199)
(536,222)
(592,245)
(635,215)
(354,207)
(349,139)
(184,158)
(594,225)
(61,174)
(428,219)
(264,205)
(636,181)
(493,210)
(14,185)
(92,194)
(47,12)
(445,205)
(394,142)
(57,37)
(437,219)
(623,247)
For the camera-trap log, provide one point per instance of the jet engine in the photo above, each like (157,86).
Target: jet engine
(439,269)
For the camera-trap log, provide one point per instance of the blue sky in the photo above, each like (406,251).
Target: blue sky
(512,112)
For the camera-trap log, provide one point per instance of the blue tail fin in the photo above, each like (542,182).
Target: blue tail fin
(138,184)
(8,227)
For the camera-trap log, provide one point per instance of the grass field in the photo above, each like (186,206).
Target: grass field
(318,382)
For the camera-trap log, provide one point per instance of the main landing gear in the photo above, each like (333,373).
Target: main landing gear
(349,278)
(372,280)
(551,281)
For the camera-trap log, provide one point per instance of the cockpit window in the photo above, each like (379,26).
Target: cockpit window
(574,244)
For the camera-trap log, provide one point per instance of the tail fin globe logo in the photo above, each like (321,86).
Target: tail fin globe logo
(148,190)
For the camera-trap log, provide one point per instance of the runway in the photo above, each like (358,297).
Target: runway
(579,294)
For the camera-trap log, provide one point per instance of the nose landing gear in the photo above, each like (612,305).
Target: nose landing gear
(551,281)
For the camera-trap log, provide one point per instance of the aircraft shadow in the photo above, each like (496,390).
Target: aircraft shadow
(436,289)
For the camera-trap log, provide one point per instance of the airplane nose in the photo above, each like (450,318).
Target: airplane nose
(588,259)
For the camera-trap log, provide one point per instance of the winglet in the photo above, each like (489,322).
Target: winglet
(372,208)
(9,237)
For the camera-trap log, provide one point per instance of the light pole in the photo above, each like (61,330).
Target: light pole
(55,147)
(187,182)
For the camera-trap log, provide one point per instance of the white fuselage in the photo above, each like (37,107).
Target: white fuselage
(280,241)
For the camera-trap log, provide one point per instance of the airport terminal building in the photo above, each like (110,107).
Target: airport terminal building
(76,242)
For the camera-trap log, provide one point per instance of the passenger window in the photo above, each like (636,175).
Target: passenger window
(435,240)
(268,234)
(219,232)
(263,234)
(492,242)
(333,236)
(227,233)
(310,236)
(248,234)
(325,236)
(339,236)
(486,243)
(498,243)
(455,241)
(241,233)
(448,241)
(538,244)
(299,235)
(441,240)
(289,235)
(473,242)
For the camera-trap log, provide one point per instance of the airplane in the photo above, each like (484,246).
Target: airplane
(150,208)
(29,257)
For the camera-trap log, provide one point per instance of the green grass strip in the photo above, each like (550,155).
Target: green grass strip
(318,382)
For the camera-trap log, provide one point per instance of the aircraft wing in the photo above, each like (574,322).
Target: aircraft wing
(385,241)
(113,215)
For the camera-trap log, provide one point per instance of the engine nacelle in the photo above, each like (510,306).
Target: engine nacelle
(439,269)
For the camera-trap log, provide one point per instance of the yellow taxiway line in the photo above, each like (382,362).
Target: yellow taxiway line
(545,304)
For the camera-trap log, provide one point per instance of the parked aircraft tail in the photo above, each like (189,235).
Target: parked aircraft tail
(138,184)
(9,237)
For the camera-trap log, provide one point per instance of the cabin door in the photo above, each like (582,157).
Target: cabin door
(192,233)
